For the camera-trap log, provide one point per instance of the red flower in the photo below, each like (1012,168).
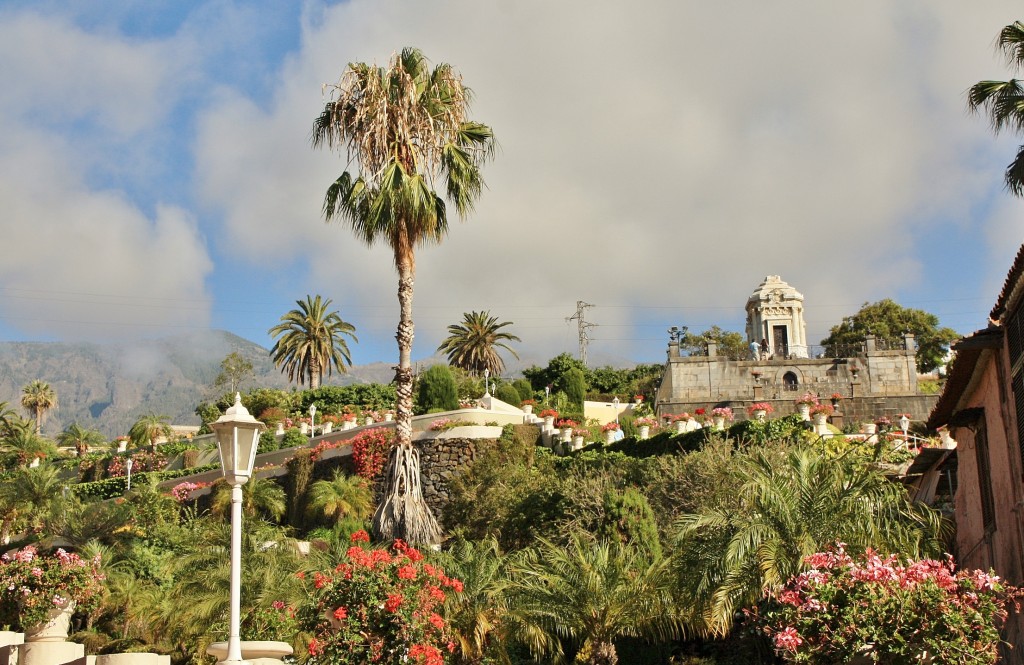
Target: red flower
(407,572)
(315,648)
(360,536)
(436,620)
(301,575)
(320,580)
(393,602)
(340,613)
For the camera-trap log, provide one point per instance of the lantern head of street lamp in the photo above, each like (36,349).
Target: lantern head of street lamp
(238,435)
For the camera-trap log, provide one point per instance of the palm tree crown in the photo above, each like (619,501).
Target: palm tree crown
(80,438)
(147,429)
(1003,101)
(406,129)
(38,398)
(311,340)
(473,345)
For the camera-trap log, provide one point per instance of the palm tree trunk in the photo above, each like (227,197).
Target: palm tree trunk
(403,513)
(314,376)
(39,421)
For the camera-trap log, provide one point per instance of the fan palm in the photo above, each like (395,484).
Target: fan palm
(148,429)
(589,593)
(473,345)
(727,557)
(80,438)
(405,127)
(22,444)
(37,398)
(1003,101)
(260,498)
(311,340)
(341,497)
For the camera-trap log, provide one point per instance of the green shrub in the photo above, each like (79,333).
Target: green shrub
(437,390)
(269,443)
(524,389)
(575,388)
(508,394)
(628,518)
(300,474)
(332,399)
(293,438)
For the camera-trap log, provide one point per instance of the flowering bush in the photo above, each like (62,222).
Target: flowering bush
(565,422)
(638,398)
(700,414)
(182,492)
(32,585)
(581,431)
(548,413)
(835,397)
(886,610)
(370,451)
(379,606)
(722,412)
(528,402)
(611,427)
(278,622)
(646,421)
(822,408)
(445,424)
(883,423)
(141,462)
(808,399)
(759,406)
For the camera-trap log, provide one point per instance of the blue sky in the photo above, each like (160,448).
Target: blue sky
(657,160)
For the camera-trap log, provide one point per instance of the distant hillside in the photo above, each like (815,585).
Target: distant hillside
(109,387)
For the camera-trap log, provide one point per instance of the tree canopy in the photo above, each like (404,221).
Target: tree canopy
(473,344)
(731,344)
(889,321)
(311,340)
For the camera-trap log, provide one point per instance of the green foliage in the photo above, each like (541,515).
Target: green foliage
(888,321)
(786,429)
(629,519)
(552,375)
(300,474)
(235,369)
(473,344)
(575,388)
(111,488)
(293,438)
(507,393)
(269,443)
(436,390)
(207,412)
(732,345)
(310,341)
(260,400)
(333,399)
(524,389)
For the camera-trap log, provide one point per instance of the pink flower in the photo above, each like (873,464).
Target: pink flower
(788,639)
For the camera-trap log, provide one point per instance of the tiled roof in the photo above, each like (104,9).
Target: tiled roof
(1014,276)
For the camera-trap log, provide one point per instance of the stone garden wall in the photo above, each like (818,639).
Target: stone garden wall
(440,460)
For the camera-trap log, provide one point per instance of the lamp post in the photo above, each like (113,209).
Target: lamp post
(237,436)
(487,378)
(615,406)
(129,464)
(312,420)
(904,425)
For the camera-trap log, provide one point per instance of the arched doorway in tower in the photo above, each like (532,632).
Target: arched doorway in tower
(790,381)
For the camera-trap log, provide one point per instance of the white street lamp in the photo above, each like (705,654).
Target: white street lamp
(238,435)
(904,424)
(487,378)
(312,420)
(615,405)
(129,464)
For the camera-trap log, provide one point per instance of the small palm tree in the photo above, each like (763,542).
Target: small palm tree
(473,345)
(260,498)
(1003,101)
(38,397)
(31,496)
(407,130)
(148,429)
(22,445)
(589,593)
(311,340)
(80,438)
(341,497)
(727,557)
(8,418)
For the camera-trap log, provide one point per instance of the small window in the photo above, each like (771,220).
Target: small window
(790,381)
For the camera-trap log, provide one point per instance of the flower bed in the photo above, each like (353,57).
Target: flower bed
(32,585)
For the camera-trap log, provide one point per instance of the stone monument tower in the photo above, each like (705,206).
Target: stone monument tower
(775,312)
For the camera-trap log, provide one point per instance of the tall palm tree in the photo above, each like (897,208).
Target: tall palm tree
(406,128)
(38,398)
(1003,101)
(80,438)
(148,429)
(727,557)
(473,345)
(589,593)
(341,497)
(311,340)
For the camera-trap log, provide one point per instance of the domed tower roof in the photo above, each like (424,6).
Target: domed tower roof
(775,312)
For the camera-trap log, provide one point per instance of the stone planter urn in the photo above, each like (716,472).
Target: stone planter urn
(368,420)
(122,445)
(304,428)
(820,419)
(577,442)
(681,426)
(567,434)
(804,410)
(946,441)
(34,463)
(328,427)
(719,421)
(645,431)
(388,417)
(869,428)
(609,436)
(280,429)
(348,424)
(549,422)
(255,652)
(527,408)
(55,628)
(760,415)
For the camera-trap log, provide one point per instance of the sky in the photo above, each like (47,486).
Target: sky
(657,160)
